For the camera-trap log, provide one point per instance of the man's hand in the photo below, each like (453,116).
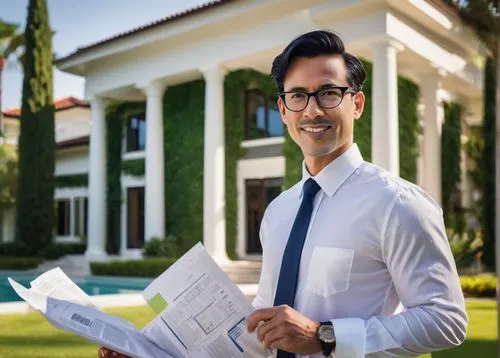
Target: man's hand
(286,329)
(108,353)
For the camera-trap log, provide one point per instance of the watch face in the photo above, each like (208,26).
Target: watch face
(326,333)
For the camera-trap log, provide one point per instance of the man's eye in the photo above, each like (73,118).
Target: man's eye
(330,93)
(298,95)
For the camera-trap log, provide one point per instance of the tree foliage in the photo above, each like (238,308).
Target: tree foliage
(484,17)
(35,197)
(8,176)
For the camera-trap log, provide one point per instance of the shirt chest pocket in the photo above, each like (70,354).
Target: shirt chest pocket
(329,270)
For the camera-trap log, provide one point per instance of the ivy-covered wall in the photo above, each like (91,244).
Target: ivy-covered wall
(450,164)
(409,129)
(134,167)
(72,180)
(184,115)
(116,115)
(235,85)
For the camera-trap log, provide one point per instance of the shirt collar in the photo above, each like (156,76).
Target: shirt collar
(331,177)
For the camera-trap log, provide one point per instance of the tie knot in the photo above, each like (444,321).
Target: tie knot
(310,188)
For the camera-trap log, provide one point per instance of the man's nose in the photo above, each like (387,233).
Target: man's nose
(313,109)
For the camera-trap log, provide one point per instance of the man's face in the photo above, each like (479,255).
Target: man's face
(320,132)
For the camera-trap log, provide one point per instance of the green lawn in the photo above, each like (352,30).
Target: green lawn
(31,336)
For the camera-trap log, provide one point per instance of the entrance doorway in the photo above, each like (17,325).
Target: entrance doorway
(259,193)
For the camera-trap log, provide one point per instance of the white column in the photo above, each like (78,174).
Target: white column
(465,187)
(214,215)
(96,242)
(385,135)
(154,215)
(433,120)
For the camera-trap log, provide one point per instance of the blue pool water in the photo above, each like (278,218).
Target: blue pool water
(92,285)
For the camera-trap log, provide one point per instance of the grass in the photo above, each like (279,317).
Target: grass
(32,336)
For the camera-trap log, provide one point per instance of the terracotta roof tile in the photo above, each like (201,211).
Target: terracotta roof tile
(176,16)
(60,104)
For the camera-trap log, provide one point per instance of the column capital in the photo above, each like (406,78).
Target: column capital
(97,101)
(214,71)
(386,42)
(153,88)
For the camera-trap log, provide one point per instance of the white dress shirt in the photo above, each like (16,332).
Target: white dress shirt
(376,262)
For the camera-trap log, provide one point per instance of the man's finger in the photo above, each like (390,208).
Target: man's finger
(267,327)
(263,314)
(277,343)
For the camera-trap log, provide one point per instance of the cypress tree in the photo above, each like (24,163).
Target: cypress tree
(35,197)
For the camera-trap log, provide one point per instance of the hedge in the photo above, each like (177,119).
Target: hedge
(132,268)
(479,286)
(53,251)
(57,250)
(19,263)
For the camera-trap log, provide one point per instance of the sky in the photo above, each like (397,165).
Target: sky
(78,23)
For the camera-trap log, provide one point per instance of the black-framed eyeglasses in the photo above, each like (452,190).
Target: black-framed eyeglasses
(327,98)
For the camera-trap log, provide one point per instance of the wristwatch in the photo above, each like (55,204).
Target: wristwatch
(326,336)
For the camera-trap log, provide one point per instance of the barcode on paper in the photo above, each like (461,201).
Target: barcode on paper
(80,319)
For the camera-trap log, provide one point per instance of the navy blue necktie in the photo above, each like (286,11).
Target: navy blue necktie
(290,263)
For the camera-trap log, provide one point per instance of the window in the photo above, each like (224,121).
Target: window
(259,193)
(81,208)
(136,133)
(135,218)
(72,217)
(63,217)
(262,117)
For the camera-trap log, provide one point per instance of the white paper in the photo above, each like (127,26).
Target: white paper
(55,283)
(92,324)
(204,313)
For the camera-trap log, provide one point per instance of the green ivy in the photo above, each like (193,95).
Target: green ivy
(235,85)
(72,180)
(116,115)
(184,118)
(450,162)
(134,167)
(409,128)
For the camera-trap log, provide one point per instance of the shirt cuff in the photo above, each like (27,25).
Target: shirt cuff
(350,335)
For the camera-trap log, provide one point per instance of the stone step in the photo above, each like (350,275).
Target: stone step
(243,272)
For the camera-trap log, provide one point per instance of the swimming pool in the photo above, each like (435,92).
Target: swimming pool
(92,285)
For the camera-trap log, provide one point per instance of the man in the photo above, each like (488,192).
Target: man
(356,261)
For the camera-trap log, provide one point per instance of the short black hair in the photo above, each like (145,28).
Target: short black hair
(317,43)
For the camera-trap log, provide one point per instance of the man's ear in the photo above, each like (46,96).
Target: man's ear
(359,104)
(282,109)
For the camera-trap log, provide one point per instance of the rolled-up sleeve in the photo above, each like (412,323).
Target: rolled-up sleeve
(419,259)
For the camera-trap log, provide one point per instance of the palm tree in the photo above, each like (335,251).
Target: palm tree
(10,41)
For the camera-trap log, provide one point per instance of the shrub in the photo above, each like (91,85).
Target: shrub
(132,268)
(465,247)
(19,263)
(162,247)
(479,286)
(55,251)
(13,249)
